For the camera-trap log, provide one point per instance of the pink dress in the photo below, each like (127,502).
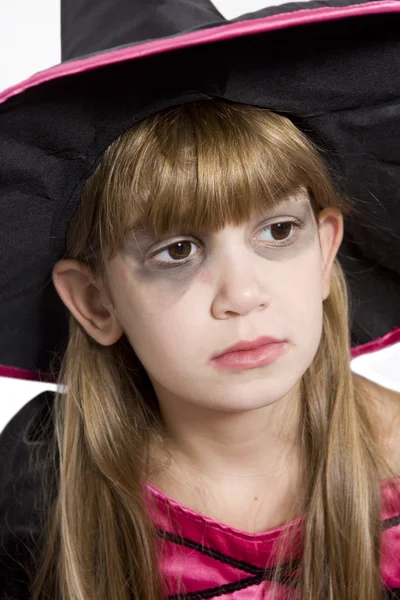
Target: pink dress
(202,558)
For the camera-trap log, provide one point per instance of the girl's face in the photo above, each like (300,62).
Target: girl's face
(183,299)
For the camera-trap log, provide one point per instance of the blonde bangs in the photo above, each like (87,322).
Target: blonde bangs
(202,166)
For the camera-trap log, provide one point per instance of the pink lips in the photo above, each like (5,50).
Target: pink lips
(249,355)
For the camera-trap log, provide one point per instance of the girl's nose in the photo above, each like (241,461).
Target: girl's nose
(241,288)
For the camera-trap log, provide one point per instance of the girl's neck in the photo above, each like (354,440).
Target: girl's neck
(247,476)
(219,445)
(241,469)
(252,505)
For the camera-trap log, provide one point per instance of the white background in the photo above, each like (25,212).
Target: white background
(30,42)
(231,9)
(29,38)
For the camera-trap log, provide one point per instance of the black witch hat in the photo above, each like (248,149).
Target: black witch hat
(331,66)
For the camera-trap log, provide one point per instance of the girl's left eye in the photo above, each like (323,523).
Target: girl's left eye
(280,233)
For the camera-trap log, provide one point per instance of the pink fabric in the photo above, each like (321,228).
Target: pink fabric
(389,339)
(218,555)
(17,373)
(204,36)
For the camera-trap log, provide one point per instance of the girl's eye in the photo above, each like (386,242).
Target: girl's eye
(279,232)
(183,252)
(175,253)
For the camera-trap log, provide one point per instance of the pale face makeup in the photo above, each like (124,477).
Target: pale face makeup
(184,298)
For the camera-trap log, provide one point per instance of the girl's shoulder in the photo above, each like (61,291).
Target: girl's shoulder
(391,429)
(385,418)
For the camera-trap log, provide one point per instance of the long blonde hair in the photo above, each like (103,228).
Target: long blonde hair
(199,165)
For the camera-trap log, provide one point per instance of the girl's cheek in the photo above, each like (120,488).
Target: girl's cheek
(123,278)
(168,282)
(205,276)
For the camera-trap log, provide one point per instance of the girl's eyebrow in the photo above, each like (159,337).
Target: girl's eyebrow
(139,231)
(284,204)
(298,196)
(289,202)
(136,236)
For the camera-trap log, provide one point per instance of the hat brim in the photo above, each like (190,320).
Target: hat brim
(218,33)
(54,136)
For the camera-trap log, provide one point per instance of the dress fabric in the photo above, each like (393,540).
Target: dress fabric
(198,556)
(202,558)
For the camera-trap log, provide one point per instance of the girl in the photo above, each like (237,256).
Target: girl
(208,437)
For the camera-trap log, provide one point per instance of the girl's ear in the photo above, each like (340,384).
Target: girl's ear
(77,287)
(330,235)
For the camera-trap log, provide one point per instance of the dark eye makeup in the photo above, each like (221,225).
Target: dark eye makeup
(284,233)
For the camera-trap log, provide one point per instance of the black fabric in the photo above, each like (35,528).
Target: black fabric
(345,97)
(89,26)
(295,6)
(22,495)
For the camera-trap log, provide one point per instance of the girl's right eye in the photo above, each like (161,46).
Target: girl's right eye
(175,254)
